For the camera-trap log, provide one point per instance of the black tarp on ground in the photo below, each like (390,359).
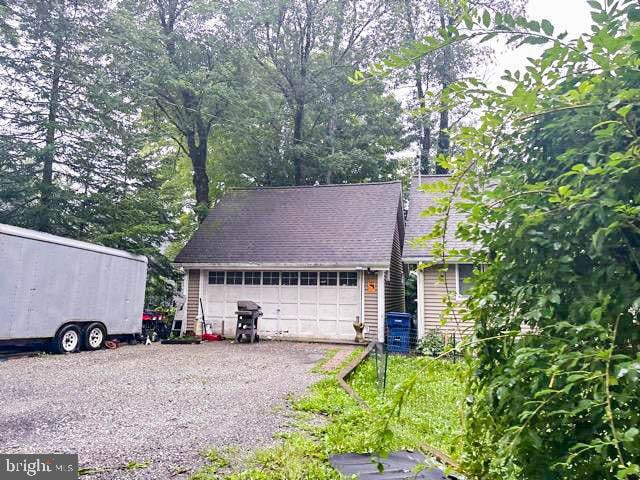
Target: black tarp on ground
(397,466)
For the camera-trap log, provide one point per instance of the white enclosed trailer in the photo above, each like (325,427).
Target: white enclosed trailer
(74,293)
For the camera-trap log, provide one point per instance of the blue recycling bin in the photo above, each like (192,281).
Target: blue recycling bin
(398,332)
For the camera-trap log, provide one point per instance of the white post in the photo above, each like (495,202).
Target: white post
(185,290)
(420,303)
(362,287)
(381,306)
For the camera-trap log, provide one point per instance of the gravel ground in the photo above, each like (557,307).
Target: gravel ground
(161,404)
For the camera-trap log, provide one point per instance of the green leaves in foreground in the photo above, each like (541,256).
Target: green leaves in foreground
(549,178)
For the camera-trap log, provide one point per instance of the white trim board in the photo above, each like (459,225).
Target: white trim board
(381,306)
(420,303)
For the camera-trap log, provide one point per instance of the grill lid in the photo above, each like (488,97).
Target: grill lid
(248,305)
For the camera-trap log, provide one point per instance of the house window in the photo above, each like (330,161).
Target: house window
(328,278)
(234,278)
(308,278)
(252,278)
(271,278)
(216,278)
(464,272)
(348,279)
(289,278)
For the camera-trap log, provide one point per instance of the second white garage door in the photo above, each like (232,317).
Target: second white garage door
(305,304)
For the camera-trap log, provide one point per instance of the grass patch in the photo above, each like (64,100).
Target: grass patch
(328,355)
(135,465)
(296,457)
(430,415)
(214,463)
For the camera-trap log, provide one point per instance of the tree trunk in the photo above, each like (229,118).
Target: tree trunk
(195,128)
(198,155)
(197,141)
(48,155)
(424,126)
(298,123)
(445,76)
(333,100)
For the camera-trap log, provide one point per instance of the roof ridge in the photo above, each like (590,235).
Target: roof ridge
(291,187)
(430,175)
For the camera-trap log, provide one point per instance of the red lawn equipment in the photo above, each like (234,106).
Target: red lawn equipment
(154,325)
(207,329)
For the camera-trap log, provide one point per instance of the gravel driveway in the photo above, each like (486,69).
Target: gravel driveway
(161,404)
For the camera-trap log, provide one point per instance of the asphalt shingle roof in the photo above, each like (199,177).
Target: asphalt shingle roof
(419,225)
(316,225)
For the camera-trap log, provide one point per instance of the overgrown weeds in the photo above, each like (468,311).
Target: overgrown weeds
(430,415)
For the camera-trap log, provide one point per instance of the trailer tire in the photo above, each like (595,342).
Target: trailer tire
(94,336)
(67,339)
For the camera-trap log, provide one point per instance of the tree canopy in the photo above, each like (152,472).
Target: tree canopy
(123,122)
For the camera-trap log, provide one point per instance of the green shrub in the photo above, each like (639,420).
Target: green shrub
(549,178)
(432,343)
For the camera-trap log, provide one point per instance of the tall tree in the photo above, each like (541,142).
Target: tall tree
(60,113)
(71,149)
(177,49)
(307,49)
(430,75)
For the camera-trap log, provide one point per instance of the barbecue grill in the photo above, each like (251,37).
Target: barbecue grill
(247,327)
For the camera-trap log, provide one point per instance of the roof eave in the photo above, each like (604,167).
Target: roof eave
(284,266)
(430,259)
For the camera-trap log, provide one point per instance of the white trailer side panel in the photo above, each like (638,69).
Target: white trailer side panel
(47,281)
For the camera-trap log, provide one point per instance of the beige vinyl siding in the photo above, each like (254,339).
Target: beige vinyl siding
(394,286)
(435,294)
(371,307)
(193,295)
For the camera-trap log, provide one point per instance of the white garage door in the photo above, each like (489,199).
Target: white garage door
(296,304)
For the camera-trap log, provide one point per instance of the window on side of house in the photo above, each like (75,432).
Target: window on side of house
(289,278)
(216,278)
(328,279)
(308,278)
(234,278)
(348,279)
(252,278)
(271,278)
(464,273)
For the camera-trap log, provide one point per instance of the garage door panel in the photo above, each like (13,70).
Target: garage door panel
(215,309)
(268,325)
(251,292)
(328,312)
(289,310)
(328,328)
(349,311)
(345,329)
(308,328)
(270,310)
(327,295)
(269,293)
(308,294)
(349,295)
(288,294)
(308,310)
(235,290)
(318,311)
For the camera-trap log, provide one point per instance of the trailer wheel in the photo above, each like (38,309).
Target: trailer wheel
(68,339)
(94,337)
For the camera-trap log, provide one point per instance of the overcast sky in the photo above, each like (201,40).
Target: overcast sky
(572,16)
